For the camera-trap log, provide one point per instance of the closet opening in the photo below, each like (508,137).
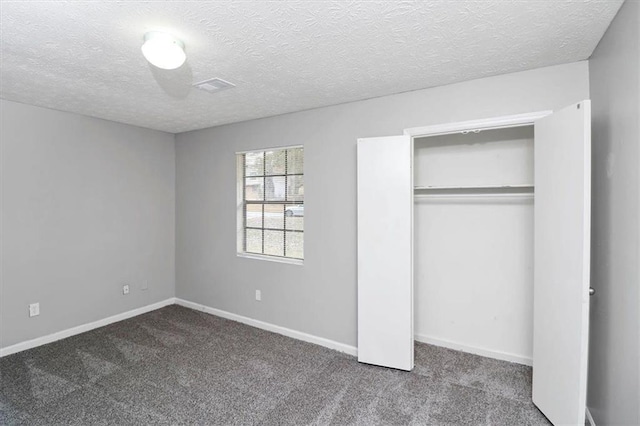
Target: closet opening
(473,241)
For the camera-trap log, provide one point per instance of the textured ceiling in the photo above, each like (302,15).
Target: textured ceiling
(84,56)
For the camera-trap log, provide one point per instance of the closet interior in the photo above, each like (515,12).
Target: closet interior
(473,241)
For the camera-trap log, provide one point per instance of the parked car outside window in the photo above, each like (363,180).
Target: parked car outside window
(295,210)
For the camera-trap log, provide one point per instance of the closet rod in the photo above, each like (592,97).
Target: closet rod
(467,196)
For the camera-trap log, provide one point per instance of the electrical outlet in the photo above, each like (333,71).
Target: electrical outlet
(125,289)
(34,309)
(144,285)
(258,295)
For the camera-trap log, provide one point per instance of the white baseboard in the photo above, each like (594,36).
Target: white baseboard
(331,344)
(505,356)
(590,418)
(29,344)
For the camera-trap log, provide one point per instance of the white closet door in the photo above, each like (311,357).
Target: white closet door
(561,271)
(385,252)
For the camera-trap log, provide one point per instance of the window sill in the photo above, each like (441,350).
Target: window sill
(276,259)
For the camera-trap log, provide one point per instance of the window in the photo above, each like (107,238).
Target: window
(271,203)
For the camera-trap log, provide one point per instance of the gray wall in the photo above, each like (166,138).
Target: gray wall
(614,375)
(320,297)
(87,205)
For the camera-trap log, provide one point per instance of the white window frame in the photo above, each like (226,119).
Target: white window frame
(240,217)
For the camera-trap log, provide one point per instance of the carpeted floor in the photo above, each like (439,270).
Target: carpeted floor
(179,366)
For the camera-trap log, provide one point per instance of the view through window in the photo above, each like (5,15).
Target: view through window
(271,192)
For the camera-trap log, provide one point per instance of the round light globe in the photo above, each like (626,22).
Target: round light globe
(163,50)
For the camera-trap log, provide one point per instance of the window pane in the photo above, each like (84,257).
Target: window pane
(295,217)
(254,241)
(275,162)
(274,216)
(274,243)
(254,164)
(275,188)
(253,216)
(295,188)
(295,245)
(253,190)
(295,160)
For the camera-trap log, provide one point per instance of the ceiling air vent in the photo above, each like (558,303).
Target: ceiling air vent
(214,85)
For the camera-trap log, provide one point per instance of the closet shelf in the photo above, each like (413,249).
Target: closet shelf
(514,188)
(485,191)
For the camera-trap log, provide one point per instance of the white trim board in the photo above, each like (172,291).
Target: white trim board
(331,344)
(489,353)
(50,338)
(474,125)
(327,343)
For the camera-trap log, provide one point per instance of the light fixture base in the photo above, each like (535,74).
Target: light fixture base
(163,50)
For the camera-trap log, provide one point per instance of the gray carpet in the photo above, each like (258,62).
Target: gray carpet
(179,366)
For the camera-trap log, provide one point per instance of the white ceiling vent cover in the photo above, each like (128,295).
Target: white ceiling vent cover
(214,85)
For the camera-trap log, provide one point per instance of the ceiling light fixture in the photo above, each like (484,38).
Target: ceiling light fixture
(163,50)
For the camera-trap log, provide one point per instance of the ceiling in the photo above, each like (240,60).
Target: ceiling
(284,56)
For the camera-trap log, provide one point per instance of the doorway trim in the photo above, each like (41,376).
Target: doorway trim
(502,122)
